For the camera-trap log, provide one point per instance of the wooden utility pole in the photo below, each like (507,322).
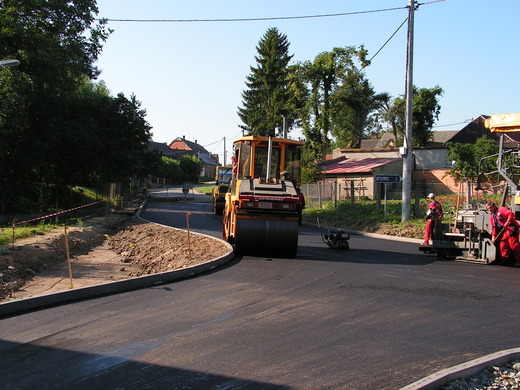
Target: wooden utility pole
(406,152)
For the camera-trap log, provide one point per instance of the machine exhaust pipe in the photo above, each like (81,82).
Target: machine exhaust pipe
(269,156)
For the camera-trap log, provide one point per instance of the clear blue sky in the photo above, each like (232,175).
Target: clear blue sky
(189,76)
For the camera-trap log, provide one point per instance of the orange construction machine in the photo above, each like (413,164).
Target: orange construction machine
(264,203)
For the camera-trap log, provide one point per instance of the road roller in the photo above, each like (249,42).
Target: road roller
(264,203)
(223,177)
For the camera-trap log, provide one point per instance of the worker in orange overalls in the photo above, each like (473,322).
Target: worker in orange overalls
(504,229)
(433,218)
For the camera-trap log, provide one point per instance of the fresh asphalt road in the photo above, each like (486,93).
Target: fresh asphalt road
(378,316)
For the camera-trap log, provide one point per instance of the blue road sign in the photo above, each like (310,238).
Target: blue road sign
(387,178)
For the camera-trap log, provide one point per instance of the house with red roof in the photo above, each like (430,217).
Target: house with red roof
(181,146)
(354,170)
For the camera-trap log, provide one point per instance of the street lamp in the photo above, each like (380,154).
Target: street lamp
(9,63)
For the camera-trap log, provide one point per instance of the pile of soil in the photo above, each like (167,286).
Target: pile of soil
(156,248)
(101,251)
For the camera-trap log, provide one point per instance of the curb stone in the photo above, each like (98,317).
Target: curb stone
(41,301)
(464,370)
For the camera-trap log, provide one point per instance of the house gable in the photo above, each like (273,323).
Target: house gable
(189,146)
(473,131)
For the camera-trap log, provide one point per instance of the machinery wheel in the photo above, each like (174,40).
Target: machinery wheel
(274,237)
(226,228)
(218,208)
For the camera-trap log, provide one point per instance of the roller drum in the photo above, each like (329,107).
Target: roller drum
(273,236)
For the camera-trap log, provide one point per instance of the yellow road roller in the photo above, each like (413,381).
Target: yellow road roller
(264,203)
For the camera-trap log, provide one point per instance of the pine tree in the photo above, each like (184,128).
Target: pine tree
(269,97)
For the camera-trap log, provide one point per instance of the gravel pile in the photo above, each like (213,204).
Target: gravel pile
(492,378)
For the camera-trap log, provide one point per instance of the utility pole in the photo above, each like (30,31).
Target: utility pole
(406,151)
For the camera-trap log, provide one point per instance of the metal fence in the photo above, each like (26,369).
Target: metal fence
(319,194)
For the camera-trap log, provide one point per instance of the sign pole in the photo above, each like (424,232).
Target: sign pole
(385,202)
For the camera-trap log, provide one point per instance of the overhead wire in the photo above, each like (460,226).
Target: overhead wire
(251,19)
(382,47)
(281,18)
(453,124)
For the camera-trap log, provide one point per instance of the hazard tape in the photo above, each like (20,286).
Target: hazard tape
(58,213)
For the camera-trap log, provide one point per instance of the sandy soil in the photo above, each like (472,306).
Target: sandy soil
(101,251)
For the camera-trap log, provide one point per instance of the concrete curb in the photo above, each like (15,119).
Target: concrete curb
(464,370)
(374,235)
(119,286)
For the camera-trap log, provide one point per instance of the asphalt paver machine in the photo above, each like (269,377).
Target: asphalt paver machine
(469,237)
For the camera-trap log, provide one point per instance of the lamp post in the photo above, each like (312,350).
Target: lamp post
(9,63)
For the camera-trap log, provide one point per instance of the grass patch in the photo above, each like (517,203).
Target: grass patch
(6,234)
(205,188)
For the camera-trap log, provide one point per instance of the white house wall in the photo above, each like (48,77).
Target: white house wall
(431,158)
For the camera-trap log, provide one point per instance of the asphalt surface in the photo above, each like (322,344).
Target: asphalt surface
(378,316)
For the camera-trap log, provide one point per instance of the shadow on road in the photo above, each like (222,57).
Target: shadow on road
(80,370)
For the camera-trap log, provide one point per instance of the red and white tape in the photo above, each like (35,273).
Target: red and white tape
(58,213)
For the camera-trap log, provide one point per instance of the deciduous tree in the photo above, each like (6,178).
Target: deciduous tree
(425,111)
(322,76)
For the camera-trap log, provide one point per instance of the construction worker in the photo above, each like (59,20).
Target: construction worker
(433,219)
(504,231)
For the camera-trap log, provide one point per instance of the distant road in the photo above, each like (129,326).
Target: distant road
(378,316)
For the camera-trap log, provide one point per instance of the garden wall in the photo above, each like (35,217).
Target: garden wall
(435,180)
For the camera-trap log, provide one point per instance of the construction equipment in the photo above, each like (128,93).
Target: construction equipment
(264,203)
(470,236)
(337,239)
(222,180)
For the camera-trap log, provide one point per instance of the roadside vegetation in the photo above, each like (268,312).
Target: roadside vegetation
(368,217)
(78,195)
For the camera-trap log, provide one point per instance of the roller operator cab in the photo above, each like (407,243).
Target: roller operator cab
(222,180)
(264,203)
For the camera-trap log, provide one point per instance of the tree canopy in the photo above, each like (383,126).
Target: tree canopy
(270,95)
(323,77)
(425,111)
(58,127)
(466,158)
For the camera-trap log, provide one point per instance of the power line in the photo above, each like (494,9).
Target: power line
(453,124)
(251,19)
(388,40)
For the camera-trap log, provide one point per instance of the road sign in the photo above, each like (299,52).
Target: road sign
(387,178)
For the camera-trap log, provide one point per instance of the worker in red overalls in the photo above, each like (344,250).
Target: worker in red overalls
(433,218)
(504,229)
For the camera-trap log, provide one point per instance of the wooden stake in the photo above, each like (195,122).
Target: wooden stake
(68,256)
(188,226)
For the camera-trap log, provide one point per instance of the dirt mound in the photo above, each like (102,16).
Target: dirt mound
(156,248)
(103,250)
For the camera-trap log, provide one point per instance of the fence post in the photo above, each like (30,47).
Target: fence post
(335,192)
(319,194)
(68,256)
